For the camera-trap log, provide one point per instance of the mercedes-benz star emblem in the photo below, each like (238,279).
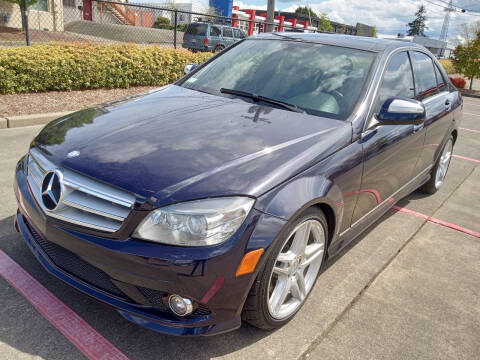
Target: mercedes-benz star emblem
(52,189)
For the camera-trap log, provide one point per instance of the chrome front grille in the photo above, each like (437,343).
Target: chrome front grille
(84,201)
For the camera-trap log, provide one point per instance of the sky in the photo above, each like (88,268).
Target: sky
(390,16)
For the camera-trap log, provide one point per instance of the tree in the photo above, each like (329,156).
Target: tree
(21,3)
(417,26)
(325,25)
(469,31)
(162,22)
(466,58)
(306,11)
(373,31)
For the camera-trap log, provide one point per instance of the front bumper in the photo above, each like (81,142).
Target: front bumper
(197,47)
(133,276)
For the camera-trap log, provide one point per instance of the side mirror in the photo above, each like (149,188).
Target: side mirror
(401,111)
(188,68)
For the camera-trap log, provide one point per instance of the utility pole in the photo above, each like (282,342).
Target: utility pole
(25,19)
(270,15)
(446,22)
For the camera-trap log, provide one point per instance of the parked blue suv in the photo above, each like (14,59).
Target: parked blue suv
(210,37)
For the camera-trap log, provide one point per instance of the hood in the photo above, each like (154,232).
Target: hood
(178,144)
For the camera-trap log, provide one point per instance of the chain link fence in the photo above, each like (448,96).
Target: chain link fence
(109,22)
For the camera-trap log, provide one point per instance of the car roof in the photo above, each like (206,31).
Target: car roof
(214,24)
(351,41)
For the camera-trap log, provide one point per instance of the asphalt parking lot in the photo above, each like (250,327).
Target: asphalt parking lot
(408,288)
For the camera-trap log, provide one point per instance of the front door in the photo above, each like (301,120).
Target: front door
(390,152)
(87,10)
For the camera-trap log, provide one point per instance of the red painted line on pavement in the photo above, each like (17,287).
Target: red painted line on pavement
(471,103)
(437,221)
(465,158)
(410,212)
(455,227)
(471,114)
(471,130)
(91,343)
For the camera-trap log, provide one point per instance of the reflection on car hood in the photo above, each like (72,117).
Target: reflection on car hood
(178,144)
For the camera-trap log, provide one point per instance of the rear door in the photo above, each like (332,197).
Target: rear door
(228,36)
(390,151)
(195,35)
(431,88)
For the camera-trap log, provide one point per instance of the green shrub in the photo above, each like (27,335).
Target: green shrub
(73,66)
(161,22)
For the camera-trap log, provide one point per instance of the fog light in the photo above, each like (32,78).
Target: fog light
(179,305)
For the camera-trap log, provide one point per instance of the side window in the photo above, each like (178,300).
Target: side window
(238,34)
(397,80)
(227,32)
(215,31)
(425,80)
(442,85)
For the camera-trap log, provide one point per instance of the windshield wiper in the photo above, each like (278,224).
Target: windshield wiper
(257,97)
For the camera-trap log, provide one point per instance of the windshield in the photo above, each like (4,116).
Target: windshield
(322,80)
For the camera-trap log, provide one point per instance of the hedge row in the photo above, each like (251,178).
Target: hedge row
(73,66)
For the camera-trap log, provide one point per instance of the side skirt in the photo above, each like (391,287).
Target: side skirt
(373,215)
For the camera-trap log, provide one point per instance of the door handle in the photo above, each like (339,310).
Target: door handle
(447,104)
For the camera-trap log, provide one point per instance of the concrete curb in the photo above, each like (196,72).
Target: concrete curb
(29,120)
(467,94)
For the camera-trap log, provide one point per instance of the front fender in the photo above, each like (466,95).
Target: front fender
(299,194)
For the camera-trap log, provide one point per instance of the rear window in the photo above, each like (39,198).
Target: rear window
(197,29)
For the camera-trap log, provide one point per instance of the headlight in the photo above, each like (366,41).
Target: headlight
(195,223)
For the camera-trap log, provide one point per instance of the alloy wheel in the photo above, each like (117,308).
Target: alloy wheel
(296,269)
(443,163)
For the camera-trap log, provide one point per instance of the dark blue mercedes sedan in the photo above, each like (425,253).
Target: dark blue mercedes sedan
(221,197)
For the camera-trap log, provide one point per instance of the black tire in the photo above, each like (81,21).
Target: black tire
(219,48)
(255,310)
(430,187)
